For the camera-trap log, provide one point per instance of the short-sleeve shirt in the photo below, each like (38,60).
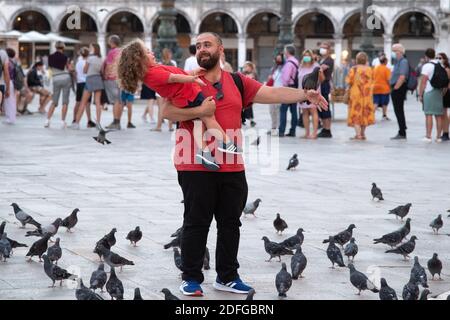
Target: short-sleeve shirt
(228,115)
(180,94)
(95,65)
(381,76)
(81,76)
(329,72)
(110,64)
(191,64)
(57,60)
(3,60)
(428,70)
(401,67)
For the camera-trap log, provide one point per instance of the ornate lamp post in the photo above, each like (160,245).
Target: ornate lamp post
(366,33)
(285,37)
(167,31)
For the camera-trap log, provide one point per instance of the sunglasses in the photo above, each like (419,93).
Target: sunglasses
(440,58)
(219,94)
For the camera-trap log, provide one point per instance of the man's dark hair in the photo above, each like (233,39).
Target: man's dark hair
(11,52)
(38,64)
(192,49)
(215,35)
(430,53)
(383,60)
(290,49)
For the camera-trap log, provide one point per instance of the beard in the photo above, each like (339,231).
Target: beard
(209,63)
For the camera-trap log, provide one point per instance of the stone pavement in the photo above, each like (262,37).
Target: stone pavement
(131,182)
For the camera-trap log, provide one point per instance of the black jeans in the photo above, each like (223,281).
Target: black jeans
(398,100)
(208,194)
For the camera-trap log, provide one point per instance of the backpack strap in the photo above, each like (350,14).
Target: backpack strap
(239,84)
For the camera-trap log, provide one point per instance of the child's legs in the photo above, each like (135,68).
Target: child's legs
(211,123)
(98,105)
(315,121)
(305,116)
(129,110)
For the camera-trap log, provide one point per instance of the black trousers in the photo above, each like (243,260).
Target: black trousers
(398,100)
(208,194)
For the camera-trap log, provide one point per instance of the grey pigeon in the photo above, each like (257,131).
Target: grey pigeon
(386,292)
(401,211)
(84,293)
(177,259)
(437,223)
(376,192)
(51,228)
(174,243)
(295,241)
(351,249)
(5,247)
(250,294)
(344,236)
(411,290)
(134,236)
(256,142)
(251,207)
(419,274)
(54,272)
(283,281)
(435,266)
(14,244)
(275,249)
(424,294)
(113,259)
(39,247)
(101,137)
(98,278)
(137,294)
(360,281)
(293,162)
(107,241)
(394,238)
(168,295)
(2,227)
(70,221)
(279,224)
(406,248)
(114,286)
(23,217)
(311,80)
(334,254)
(54,252)
(206,259)
(176,233)
(298,264)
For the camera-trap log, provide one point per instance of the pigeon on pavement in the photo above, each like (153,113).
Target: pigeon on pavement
(360,281)
(14,244)
(394,238)
(283,281)
(134,236)
(401,211)
(137,294)
(84,293)
(54,252)
(376,192)
(114,286)
(435,266)
(54,272)
(295,241)
(418,273)
(113,259)
(5,247)
(437,223)
(279,224)
(23,217)
(101,137)
(334,254)
(175,242)
(275,249)
(51,228)
(351,249)
(176,233)
(293,162)
(298,264)
(411,290)
(98,278)
(386,292)
(168,295)
(406,248)
(344,236)
(70,221)
(251,207)
(107,241)
(39,247)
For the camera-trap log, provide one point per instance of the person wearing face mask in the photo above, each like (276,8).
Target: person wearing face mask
(443,59)
(327,66)
(288,77)
(274,80)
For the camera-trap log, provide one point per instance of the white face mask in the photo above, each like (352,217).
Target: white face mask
(323,51)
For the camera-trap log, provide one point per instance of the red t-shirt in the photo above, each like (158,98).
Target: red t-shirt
(228,115)
(180,94)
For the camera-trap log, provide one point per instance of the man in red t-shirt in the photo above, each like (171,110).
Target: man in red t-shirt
(222,194)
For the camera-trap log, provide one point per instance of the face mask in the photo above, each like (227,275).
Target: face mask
(323,51)
(393,55)
(307,59)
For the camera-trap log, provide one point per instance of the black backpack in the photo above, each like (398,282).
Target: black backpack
(440,77)
(240,85)
(295,84)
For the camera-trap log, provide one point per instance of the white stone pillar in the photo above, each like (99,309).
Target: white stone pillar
(148,41)
(193,37)
(101,40)
(388,46)
(52,47)
(242,49)
(338,49)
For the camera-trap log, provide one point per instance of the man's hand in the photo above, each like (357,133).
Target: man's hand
(207,108)
(316,98)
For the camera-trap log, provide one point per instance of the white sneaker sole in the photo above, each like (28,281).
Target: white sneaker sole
(197,293)
(207,161)
(227,151)
(221,287)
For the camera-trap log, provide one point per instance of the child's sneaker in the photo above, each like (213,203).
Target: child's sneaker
(229,148)
(207,160)
(191,288)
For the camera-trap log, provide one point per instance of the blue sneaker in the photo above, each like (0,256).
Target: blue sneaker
(236,286)
(191,288)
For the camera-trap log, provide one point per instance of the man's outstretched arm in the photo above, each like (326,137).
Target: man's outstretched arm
(173,113)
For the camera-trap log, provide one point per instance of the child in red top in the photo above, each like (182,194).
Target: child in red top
(137,63)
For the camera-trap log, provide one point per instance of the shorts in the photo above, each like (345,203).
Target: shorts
(126,97)
(198,100)
(381,99)
(61,82)
(112,91)
(147,93)
(80,90)
(94,83)
(432,103)
(325,89)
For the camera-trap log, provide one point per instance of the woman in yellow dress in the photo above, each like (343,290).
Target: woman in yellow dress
(361,111)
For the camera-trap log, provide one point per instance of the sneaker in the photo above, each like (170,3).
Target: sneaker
(131,126)
(386,118)
(325,134)
(144,119)
(236,286)
(290,134)
(47,124)
(445,138)
(91,124)
(113,126)
(229,148)
(274,133)
(426,139)
(63,125)
(74,126)
(191,288)
(438,140)
(398,137)
(207,160)
(252,123)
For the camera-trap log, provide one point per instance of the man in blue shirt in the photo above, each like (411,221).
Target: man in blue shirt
(399,88)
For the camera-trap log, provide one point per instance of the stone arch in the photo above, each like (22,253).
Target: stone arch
(104,25)
(316,10)
(255,13)
(351,13)
(31,8)
(427,13)
(219,10)
(88,12)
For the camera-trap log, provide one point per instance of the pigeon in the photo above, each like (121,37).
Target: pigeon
(134,236)
(411,290)
(177,259)
(39,247)
(424,294)
(14,243)
(250,294)
(436,224)
(98,278)
(70,221)
(435,266)
(275,249)
(334,254)
(360,281)
(101,138)
(298,264)
(376,192)
(386,292)
(54,252)
(406,248)
(344,236)
(251,207)
(419,274)
(295,241)
(351,249)
(2,227)
(174,243)
(107,241)
(206,259)
(168,295)
(114,286)
(283,281)
(5,247)
(279,224)
(23,217)
(113,259)
(176,233)
(394,238)
(51,228)
(137,294)
(54,272)
(311,80)
(84,293)
(401,211)
(293,162)
(256,142)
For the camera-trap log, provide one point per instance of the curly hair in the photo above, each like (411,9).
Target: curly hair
(133,64)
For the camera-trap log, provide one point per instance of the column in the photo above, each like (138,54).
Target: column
(338,49)
(101,40)
(148,41)
(52,46)
(442,42)
(388,46)
(193,37)
(242,49)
